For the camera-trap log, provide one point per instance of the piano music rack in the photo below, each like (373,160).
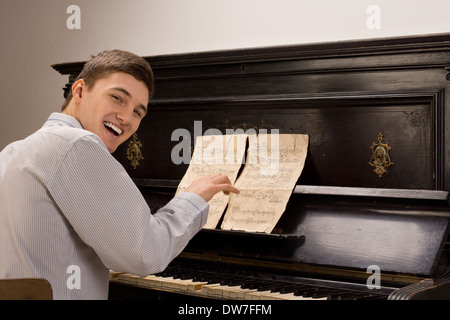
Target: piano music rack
(259,235)
(331,190)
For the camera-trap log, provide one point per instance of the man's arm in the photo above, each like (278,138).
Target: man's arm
(108,212)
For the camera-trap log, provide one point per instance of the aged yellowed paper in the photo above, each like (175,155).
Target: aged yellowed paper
(215,154)
(274,164)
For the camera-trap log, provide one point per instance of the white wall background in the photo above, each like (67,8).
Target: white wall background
(34,35)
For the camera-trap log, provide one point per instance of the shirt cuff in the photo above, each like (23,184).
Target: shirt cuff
(194,203)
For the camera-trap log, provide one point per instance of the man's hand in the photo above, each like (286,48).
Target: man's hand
(207,186)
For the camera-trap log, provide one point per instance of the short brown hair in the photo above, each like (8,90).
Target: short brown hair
(107,62)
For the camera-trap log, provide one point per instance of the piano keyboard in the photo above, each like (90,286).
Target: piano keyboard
(237,288)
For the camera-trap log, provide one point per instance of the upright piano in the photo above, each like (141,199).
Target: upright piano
(369,216)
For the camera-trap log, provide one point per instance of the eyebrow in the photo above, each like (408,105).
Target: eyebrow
(124,91)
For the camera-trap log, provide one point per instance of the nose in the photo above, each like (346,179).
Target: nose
(124,117)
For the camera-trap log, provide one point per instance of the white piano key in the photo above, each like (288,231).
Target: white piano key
(230,291)
(127,278)
(260,295)
(206,288)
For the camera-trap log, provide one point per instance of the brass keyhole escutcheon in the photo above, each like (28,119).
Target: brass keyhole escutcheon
(134,153)
(380,158)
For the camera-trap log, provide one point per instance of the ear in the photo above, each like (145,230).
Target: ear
(78,89)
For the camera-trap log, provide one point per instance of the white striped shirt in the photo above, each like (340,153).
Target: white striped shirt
(69,213)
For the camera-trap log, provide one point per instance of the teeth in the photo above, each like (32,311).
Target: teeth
(110,125)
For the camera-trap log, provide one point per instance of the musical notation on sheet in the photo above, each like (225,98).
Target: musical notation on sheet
(266,185)
(273,165)
(215,154)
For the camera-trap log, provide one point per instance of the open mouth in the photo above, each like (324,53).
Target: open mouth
(116,131)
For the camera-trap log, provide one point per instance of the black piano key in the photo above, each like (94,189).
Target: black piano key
(212,280)
(232,281)
(315,292)
(187,276)
(174,274)
(270,286)
(273,287)
(169,272)
(323,294)
(256,284)
(263,285)
(248,284)
(200,278)
(336,295)
(349,296)
(215,279)
(290,288)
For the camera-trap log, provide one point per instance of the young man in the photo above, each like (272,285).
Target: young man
(69,212)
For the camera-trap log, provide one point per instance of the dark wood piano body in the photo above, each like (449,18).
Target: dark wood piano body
(343,217)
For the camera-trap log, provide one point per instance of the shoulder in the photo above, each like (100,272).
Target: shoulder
(69,134)
(68,137)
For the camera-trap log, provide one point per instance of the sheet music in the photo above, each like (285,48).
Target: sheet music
(266,183)
(215,154)
(273,165)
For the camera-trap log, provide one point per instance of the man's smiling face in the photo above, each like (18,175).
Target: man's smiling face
(112,108)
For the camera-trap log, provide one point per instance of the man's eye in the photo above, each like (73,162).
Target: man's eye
(116,98)
(138,113)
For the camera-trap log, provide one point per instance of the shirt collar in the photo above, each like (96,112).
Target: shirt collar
(61,119)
